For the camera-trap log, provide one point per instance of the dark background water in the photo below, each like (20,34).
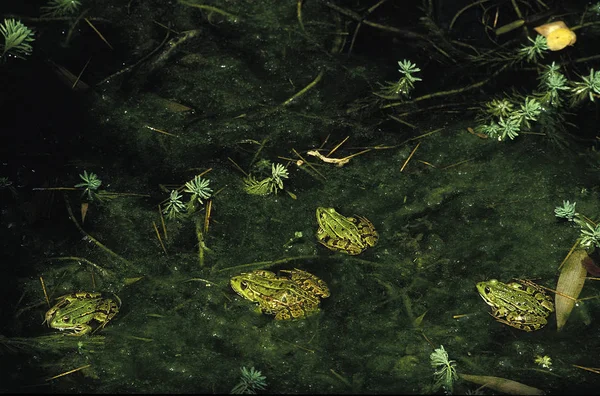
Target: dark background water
(463,210)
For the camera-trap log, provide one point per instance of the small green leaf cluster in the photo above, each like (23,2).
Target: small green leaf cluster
(56,8)
(551,83)
(174,208)
(588,87)
(589,231)
(402,88)
(535,51)
(502,119)
(91,182)
(270,184)
(17,39)
(251,380)
(197,188)
(445,369)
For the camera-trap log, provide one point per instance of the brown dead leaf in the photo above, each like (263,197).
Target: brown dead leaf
(84,209)
(570,283)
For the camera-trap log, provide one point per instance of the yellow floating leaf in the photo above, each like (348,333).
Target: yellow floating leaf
(502,385)
(570,283)
(129,281)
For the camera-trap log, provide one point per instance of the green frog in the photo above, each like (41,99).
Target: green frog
(351,235)
(288,297)
(523,305)
(75,312)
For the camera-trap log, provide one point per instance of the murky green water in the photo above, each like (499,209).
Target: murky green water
(463,209)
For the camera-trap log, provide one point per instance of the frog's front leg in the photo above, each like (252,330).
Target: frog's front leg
(80,330)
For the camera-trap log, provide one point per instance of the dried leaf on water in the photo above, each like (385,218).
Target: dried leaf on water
(570,283)
(502,385)
(84,209)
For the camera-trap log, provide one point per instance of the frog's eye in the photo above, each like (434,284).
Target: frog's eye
(66,317)
(487,290)
(243,285)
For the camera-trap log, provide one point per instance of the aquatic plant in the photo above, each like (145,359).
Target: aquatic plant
(174,207)
(199,189)
(544,361)
(445,370)
(501,119)
(60,7)
(5,182)
(589,231)
(588,87)
(567,211)
(251,380)
(278,172)
(269,185)
(590,235)
(91,184)
(535,52)
(403,87)
(552,82)
(17,39)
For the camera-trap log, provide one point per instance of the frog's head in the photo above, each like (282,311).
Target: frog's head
(487,290)
(323,213)
(241,286)
(61,321)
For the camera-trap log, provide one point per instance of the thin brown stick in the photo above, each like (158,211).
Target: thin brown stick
(44,289)
(68,372)
(159,238)
(160,131)
(162,221)
(98,32)
(338,146)
(592,369)
(410,156)
(80,73)
(308,164)
(237,166)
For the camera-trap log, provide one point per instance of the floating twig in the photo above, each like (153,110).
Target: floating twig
(68,372)
(159,238)
(98,32)
(162,221)
(592,369)
(160,131)
(80,73)
(91,238)
(338,161)
(410,156)
(304,161)
(44,289)
(305,89)
(211,9)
